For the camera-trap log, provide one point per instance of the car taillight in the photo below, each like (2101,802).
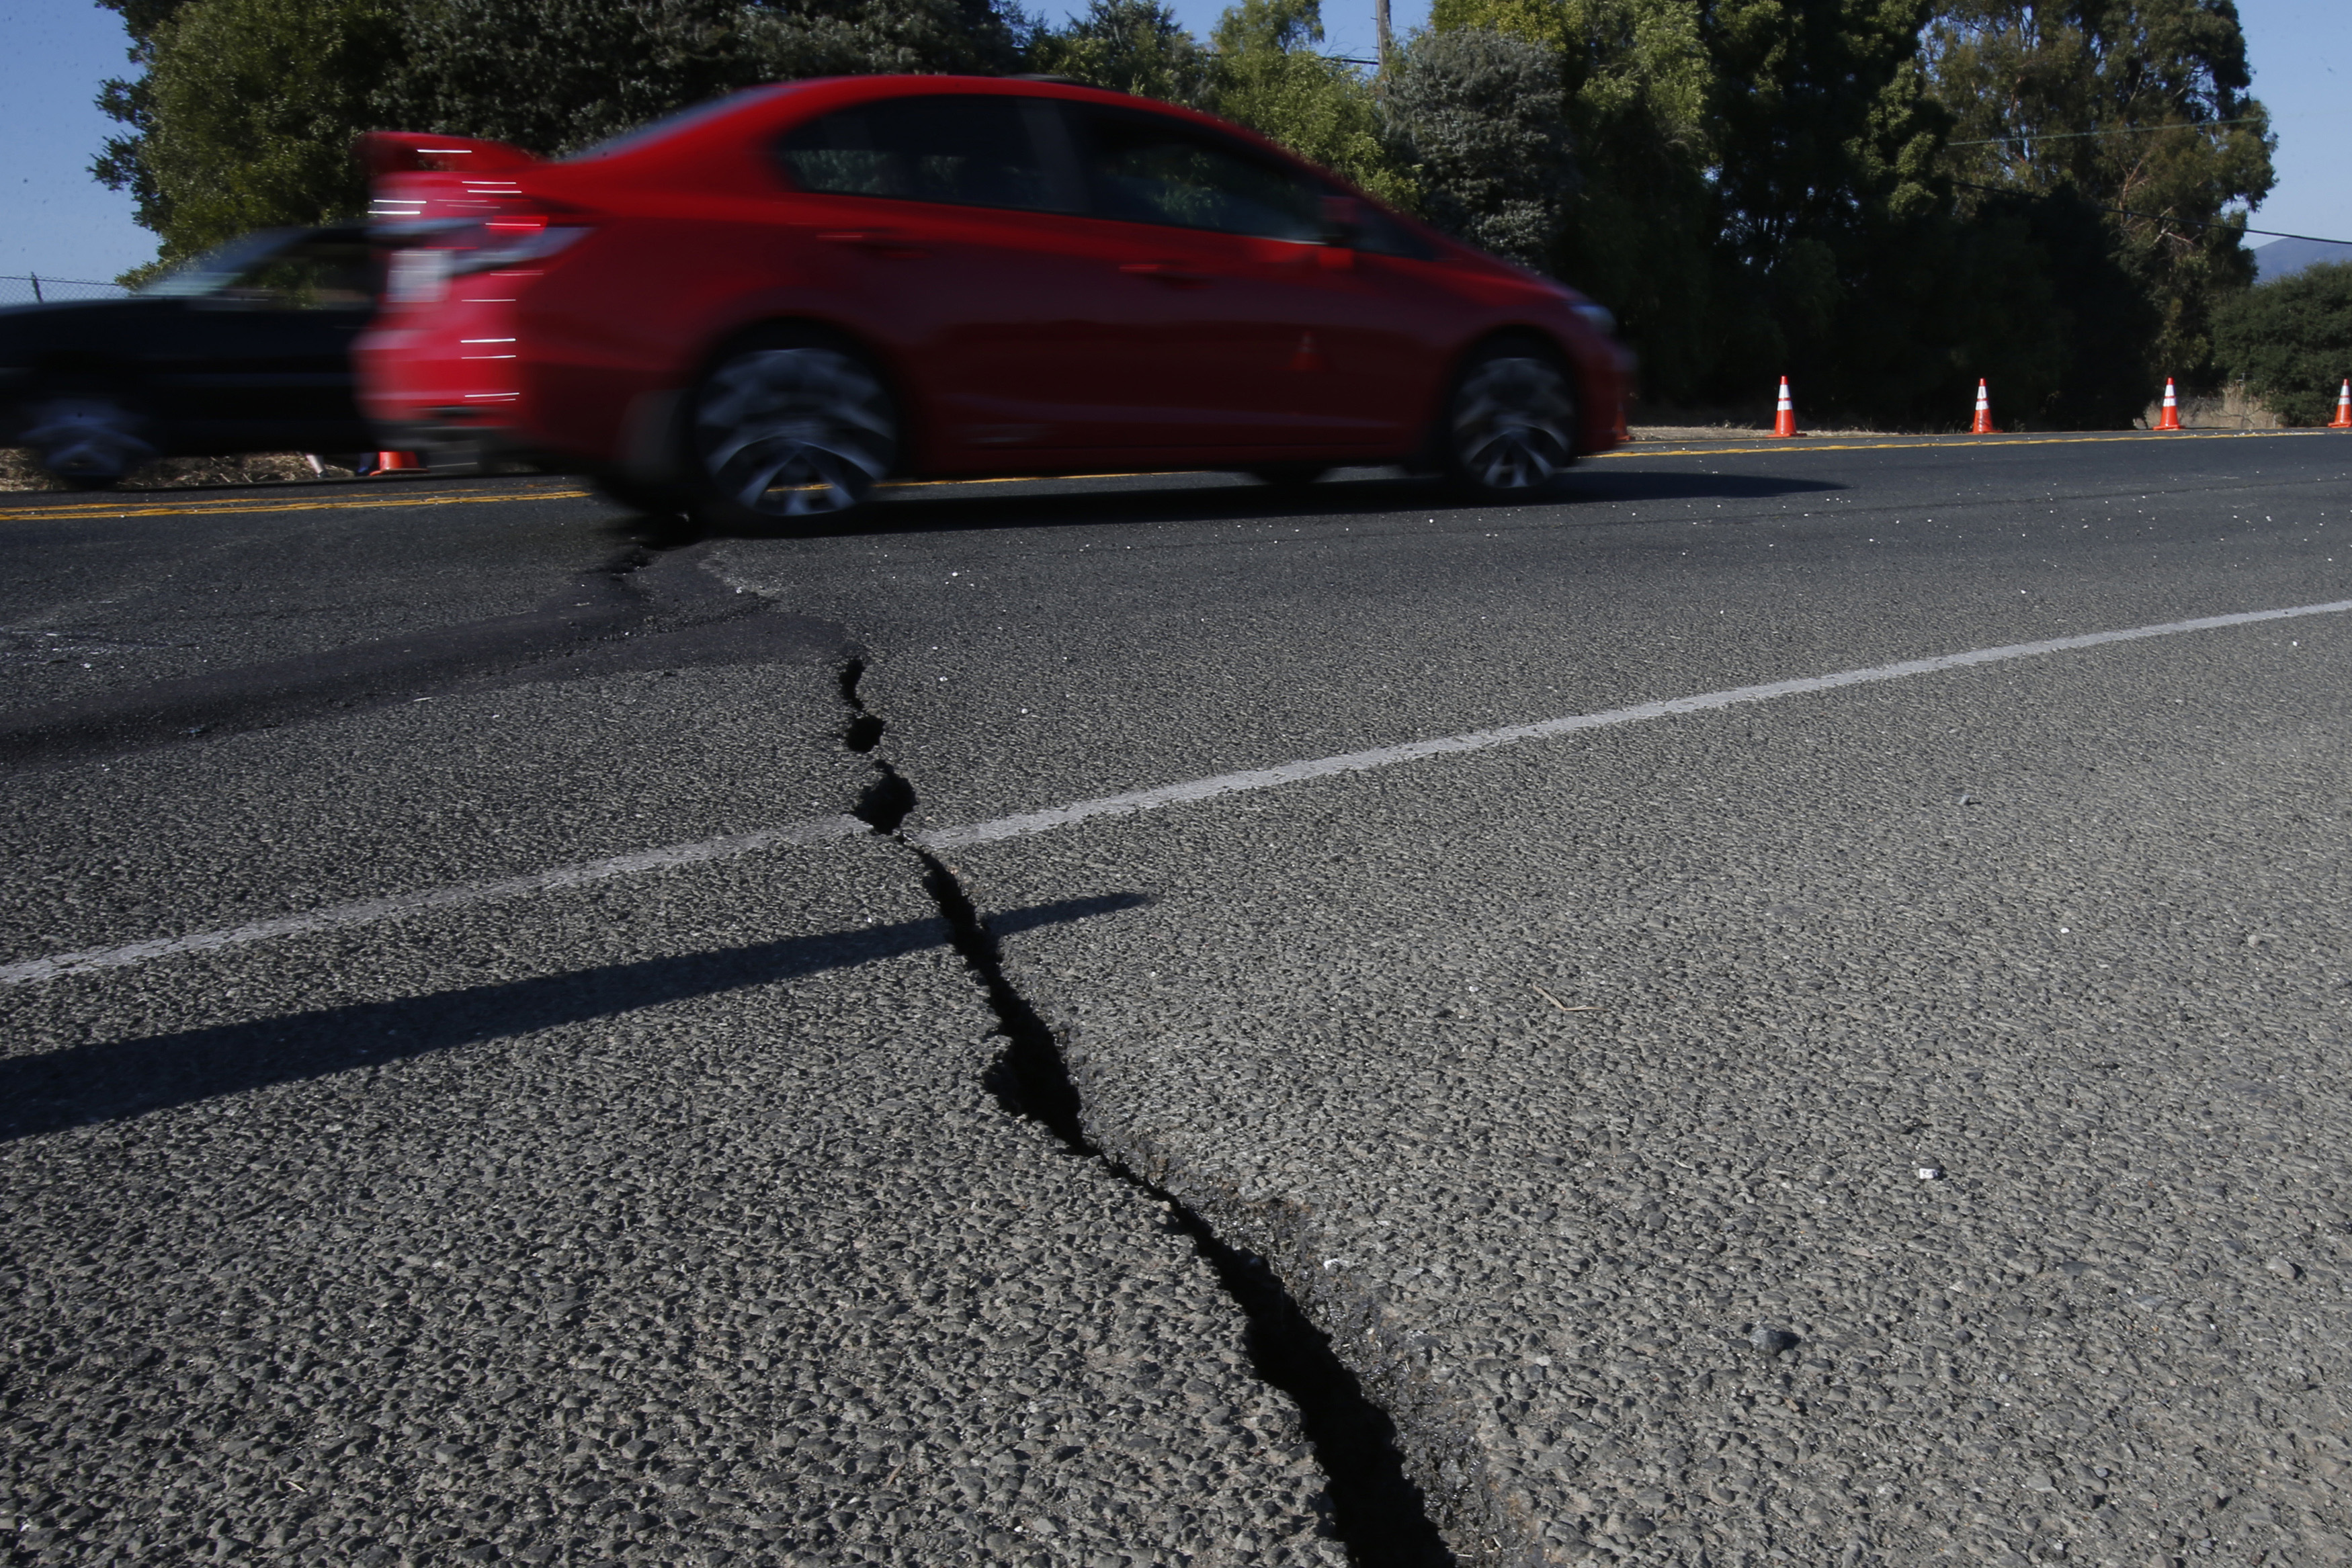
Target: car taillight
(417,276)
(427,254)
(516,242)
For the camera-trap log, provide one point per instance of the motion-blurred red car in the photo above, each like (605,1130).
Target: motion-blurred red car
(757,309)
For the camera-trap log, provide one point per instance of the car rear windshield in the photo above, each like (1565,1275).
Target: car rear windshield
(971,150)
(630,141)
(217,269)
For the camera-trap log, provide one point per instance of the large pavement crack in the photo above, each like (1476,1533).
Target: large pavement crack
(1379,1513)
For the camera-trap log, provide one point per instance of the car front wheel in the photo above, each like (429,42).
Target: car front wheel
(1510,423)
(787,433)
(90,440)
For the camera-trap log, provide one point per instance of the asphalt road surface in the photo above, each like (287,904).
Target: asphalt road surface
(1788,1006)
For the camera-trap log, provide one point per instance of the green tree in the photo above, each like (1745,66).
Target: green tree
(1127,46)
(1830,202)
(1639,231)
(121,162)
(592,69)
(249,108)
(2135,105)
(1476,116)
(1266,74)
(2292,341)
(246,112)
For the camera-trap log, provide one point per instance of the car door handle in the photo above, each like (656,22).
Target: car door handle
(873,242)
(1173,273)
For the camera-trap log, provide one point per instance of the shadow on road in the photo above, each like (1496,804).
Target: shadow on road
(1181,498)
(642,614)
(120,1079)
(1623,482)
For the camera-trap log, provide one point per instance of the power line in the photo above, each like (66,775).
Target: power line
(2116,131)
(2152,217)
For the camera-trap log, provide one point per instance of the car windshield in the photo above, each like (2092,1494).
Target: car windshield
(280,269)
(630,141)
(219,269)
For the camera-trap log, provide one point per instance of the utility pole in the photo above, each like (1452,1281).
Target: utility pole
(1380,27)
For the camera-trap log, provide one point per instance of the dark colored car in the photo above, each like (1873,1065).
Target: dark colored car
(247,349)
(757,309)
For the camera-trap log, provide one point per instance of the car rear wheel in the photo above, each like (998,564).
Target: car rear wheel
(787,433)
(1510,423)
(88,439)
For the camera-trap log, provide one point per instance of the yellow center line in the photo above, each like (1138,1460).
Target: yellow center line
(234,508)
(228,506)
(231,508)
(1956,441)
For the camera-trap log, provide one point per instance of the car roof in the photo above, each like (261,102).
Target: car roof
(720,120)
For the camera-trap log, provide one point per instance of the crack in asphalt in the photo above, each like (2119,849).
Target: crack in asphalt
(1379,1515)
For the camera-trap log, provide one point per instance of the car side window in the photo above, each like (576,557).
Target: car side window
(1145,169)
(972,151)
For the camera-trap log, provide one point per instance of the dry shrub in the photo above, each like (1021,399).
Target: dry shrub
(17,472)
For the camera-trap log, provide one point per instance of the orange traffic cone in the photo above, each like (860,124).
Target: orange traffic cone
(1784,420)
(1983,426)
(387,462)
(2343,420)
(2170,418)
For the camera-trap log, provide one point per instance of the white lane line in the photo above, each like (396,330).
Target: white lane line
(1029,823)
(367,912)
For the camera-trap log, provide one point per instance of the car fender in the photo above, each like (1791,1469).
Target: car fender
(648,447)
(1598,385)
(648,442)
(793,307)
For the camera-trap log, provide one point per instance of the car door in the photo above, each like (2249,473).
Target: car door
(261,358)
(1245,325)
(941,219)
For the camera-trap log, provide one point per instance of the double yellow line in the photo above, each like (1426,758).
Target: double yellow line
(1802,444)
(229,506)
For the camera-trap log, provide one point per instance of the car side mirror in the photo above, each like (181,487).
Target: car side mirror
(1343,220)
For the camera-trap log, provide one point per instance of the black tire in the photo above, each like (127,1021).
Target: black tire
(787,433)
(92,438)
(1290,475)
(1510,428)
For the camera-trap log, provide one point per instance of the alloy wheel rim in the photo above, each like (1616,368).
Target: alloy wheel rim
(794,431)
(1511,423)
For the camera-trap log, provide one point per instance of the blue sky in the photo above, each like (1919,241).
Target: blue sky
(57,221)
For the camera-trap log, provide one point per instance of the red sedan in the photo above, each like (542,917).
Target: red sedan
(756,311)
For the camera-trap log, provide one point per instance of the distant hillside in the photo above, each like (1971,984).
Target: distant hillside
(2283,258)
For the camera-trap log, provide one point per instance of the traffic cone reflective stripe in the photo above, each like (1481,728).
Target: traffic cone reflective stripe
(2343,420)
(2170,418)
(1983,426)
(1784,420)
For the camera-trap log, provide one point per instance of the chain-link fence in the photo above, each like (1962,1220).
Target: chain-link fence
(31,289)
